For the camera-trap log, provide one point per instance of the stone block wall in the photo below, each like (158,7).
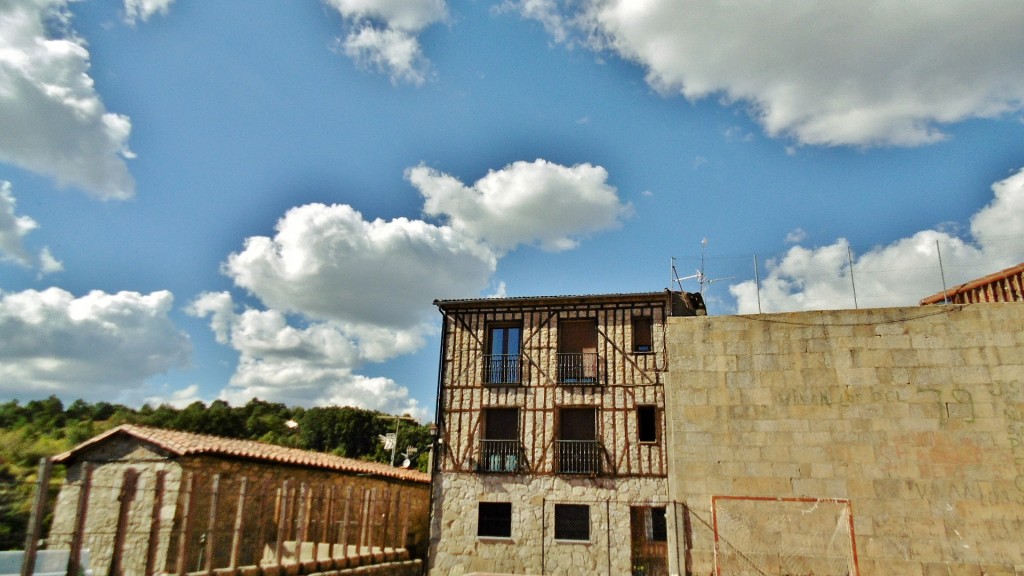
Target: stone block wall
(126,512)
(882,441)
(532,548)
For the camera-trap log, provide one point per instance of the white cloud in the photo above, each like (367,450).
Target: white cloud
(525,203)
(136,10)
(899,274)
(410,15)
(393,52)
(328,263)
(106,344)
(863,73)
(340,291)
(13,229)
(383,35)
(54,122)
(311,365)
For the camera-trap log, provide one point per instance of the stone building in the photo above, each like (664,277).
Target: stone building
(623,434)
(146,501)
(552,450)
(866,442)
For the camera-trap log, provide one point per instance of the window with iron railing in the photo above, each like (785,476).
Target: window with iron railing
(577,448)
(502,360)
(577,351)
(500,447)
(502,369)
(579,457)
(577,368)
(500,456)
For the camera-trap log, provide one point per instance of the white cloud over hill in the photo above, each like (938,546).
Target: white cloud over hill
(105,344)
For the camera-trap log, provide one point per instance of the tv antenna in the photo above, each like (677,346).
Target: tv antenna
(699,276)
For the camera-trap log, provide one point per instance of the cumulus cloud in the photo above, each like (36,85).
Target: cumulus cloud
(136,10)
(55,343)
(524,203)
(328,263)
(898,274)
(339,291)
(823,73)
(313,364)
(54,122)
(13,229)
(383,34)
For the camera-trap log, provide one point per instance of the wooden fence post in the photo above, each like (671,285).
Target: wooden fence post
(81,511)
(35,518)
(153,547)
(186,524)
(236,536)
(211,526)
(282,523)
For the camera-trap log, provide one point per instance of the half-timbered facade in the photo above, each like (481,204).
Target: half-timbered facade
(551,447)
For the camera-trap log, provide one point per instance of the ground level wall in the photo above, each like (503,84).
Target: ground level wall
(532,548)
(883,441)
(154,510)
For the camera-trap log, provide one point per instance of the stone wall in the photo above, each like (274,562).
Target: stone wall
(888,440)
(204,507)
(532,548)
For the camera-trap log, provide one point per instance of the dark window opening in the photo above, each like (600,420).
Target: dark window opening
(578,449)
(494,520)
(643,334)
(647,423)
(577,351)
(500,449)
(502,363)
(572,522)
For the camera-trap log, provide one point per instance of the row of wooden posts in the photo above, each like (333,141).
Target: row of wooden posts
(373,520)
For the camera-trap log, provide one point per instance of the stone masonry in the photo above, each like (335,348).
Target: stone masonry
(871,442)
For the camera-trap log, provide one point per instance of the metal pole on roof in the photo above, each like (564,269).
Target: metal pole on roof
(395,444)
(942,272)
(849,256)
(757,285)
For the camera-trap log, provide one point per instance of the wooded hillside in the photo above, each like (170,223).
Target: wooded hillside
(42,428)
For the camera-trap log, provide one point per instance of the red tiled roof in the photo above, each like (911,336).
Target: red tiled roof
(1008,274)
(189,444)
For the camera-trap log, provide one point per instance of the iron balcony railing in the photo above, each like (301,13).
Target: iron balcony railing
(503,369)
(578,368)
(501,456)
(579,457)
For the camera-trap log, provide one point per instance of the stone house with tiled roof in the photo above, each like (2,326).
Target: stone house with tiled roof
(146,500)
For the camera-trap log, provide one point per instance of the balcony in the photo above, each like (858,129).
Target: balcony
(503,369)
(577,368)
(500,456)
(579,457)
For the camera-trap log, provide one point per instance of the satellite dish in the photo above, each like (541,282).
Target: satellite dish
(406,463)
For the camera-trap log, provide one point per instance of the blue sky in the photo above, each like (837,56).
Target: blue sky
(204,200)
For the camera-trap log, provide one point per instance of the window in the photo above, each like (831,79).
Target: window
(577,351)
(572,522)
(578,449)
(500,449)
(643,334)
(494,520)
(647,423)
(502,361)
